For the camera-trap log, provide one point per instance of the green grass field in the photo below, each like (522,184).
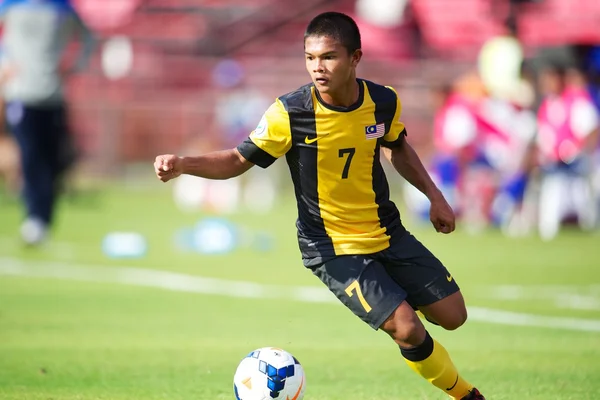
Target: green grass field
(64,339)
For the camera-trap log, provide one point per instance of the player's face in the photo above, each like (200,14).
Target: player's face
(329,64)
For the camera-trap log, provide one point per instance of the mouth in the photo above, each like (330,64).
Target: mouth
(321,81)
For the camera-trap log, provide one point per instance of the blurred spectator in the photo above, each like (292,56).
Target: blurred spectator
(237,111)
(568,129)
(500,61)
(483,147)
(455,140)
(459,166)
(509,128)
(36,34)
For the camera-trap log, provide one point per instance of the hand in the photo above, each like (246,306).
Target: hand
(168,166)
(442,215)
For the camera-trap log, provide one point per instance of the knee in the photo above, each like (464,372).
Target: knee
(404,328)
(453,320)
(450,313)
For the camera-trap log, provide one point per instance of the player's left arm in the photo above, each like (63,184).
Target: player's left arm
(408,164)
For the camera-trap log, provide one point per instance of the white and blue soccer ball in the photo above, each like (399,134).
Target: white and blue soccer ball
(269,373)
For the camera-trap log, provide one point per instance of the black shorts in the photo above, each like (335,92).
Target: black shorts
(372,286)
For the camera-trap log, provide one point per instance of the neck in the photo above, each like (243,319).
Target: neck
(344,96)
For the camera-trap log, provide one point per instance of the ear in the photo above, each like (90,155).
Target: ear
(356,56)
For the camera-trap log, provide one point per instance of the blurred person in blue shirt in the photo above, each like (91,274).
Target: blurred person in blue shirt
(36,34)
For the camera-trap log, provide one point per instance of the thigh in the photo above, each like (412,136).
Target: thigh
(363,285)
(65,152)
(421,274)
(50,125)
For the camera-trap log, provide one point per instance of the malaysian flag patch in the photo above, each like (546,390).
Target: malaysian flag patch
(375,131)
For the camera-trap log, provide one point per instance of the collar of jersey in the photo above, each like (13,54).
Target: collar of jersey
(357,104)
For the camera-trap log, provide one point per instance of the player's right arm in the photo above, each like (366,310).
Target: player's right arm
(270,140)
(222,164)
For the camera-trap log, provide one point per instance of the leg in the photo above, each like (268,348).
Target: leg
(59,151)
(424,355)
(365,287)
(405,327)
(37,174)
(430,287)
(583,201)
(551,204)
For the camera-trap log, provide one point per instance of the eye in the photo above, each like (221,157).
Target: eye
(310,58)
(329,57)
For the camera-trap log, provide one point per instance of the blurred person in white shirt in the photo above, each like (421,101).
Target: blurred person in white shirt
(36,34)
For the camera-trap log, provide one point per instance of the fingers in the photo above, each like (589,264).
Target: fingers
(163,163)
(165,176)
(446,229)
(163,167)
(447,226)
(167,164)
(444,225)
(441,228)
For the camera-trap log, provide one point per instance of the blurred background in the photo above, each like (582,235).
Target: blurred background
(500,97)
(136,289)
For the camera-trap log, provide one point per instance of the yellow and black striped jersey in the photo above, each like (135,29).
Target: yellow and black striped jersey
(333,154)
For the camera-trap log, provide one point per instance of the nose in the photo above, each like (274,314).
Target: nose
(317,65)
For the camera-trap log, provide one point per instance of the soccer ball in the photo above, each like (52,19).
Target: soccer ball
(269,373)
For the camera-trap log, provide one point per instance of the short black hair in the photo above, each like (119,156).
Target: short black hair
(337,26)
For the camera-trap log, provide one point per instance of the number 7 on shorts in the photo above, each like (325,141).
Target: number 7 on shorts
(355,287)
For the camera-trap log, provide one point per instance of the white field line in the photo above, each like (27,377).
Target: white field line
(162,279)
(574,297)
(194,284)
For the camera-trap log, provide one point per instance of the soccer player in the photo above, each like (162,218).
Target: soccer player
(349,232)
(36,35)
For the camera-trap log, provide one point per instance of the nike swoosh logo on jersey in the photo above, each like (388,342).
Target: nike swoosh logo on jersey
(309,141)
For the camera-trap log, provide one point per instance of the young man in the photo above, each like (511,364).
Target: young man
(36,33)
(349,232)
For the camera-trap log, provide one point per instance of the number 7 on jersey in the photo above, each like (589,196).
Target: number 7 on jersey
(350,152)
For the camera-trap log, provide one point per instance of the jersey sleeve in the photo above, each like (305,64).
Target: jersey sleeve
(271,139)
(395,136)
